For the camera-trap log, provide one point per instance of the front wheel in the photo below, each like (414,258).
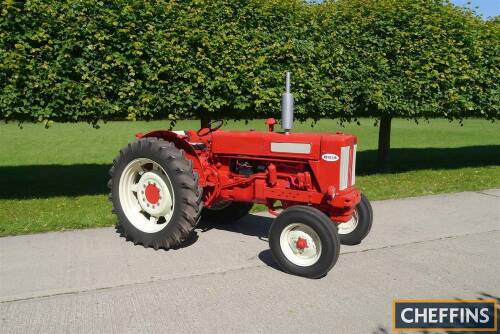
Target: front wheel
(355,230)
(304,241)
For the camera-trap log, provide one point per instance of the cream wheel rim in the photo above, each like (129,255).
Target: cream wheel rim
(146,195)
(300,244)
(350,225)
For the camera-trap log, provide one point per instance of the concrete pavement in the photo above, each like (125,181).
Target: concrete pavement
(444,246)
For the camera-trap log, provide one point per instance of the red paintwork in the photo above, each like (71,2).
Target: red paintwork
(301,243)
(270,122)
(152,193)
(292,178)
(256,143)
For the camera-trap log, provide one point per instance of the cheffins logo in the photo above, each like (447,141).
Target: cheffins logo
(445,315)
(330,157)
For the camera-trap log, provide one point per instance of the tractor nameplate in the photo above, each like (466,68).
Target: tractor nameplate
(300,148)
(330,157)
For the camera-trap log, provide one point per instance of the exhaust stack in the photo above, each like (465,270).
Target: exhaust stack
(287,107)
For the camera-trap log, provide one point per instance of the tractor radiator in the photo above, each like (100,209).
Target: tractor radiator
(347,166)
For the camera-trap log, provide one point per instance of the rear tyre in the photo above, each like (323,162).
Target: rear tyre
(226,212)
(304,241)
(356,229)
(155,193)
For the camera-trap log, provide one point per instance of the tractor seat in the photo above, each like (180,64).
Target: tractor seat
(198,146)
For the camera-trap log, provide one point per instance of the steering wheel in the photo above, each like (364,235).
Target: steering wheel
(219,123)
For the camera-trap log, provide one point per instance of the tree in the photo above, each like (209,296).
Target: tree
(81,60)
(413,59)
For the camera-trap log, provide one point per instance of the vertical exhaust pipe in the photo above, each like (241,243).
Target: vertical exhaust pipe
(287,107)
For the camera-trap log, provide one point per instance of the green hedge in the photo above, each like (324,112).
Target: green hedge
(74,60)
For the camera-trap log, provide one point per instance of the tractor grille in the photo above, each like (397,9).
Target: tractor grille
(353,167)
(347,166)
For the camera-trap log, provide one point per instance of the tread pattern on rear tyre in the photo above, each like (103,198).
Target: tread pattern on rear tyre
(188,193)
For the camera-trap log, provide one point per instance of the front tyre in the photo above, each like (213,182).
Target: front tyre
(155,193)
(304,241)
(355,230)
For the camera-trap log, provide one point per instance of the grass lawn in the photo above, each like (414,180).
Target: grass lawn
(55,179)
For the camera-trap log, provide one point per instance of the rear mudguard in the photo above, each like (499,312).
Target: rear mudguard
(180,141)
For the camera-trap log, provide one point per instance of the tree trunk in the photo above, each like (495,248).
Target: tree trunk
(205,120)
(384,142)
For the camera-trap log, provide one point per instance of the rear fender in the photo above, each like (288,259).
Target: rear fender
(181,142)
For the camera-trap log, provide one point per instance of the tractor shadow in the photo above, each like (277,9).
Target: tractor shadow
(251,225)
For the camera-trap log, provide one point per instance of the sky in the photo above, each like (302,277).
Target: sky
(487,8)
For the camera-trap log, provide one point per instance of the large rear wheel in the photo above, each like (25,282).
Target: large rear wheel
(155,193)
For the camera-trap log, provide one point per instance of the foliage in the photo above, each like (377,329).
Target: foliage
(417,58)
(92,60)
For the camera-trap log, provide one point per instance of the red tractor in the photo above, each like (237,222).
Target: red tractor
(163,183)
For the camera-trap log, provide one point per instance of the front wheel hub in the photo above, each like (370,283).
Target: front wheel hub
(300,244)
